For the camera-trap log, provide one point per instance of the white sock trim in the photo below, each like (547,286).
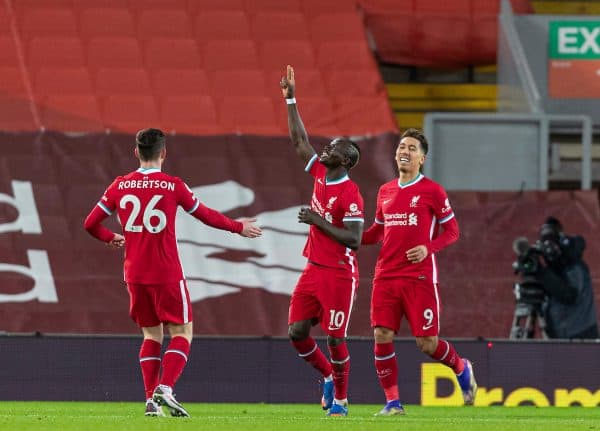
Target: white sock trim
(304,355)
(383,358)
(177,351)
(343,361)
(150,358)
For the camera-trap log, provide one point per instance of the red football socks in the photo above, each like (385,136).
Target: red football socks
(340,362)
(174,360)
(446,354)
(150,365)
(387,370)
(309,351)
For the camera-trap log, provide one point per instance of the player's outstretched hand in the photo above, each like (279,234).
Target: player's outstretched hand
(288,84)
(308,216)
(250,230)
(118,241)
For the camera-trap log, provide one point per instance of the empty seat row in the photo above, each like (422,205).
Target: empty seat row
(163,53)
(164,82)
(148,23)
(309,7)
(204,115)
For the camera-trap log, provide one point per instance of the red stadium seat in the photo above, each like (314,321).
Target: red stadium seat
(483,37)
(445,8)
(310,81)
(114,52)
(443,39)
(360,115)
(75,113)
(279,26)
(337,27)
(326,7)
(158,4)
(249,115)
(93,22)
(129,113)
(48,21)
(249,82)
(8,51)
(16,115)
(4,20)
(352,54)
(164,23)
(62,80)
(170,53)
(353,82)
(230,54)
(55,51)
(216,5)
(122,81)
(387,6)
(275,54)
(255,6)
(214,25)
(11,81)
(318,115)
(189,114)
(178,82)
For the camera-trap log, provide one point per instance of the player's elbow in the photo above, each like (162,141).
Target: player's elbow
(88,224)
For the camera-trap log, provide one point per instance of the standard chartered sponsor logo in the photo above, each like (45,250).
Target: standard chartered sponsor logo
(400,219)
(217,263)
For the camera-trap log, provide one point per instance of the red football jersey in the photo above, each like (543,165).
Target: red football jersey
(336,201)
(146,201)
(411,214)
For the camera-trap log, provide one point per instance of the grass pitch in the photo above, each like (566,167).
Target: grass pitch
(115,416)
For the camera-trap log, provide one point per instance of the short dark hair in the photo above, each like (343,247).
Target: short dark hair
(150,142)
(352,151)
(419,136)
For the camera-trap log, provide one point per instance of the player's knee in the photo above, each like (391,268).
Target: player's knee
(427,345)
(297,331)
(383,335)
(333,341)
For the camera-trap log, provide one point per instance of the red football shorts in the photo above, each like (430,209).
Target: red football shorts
(153,304)
(326,294)
(418,300)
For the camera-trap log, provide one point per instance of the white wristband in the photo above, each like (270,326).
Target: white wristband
(291,101)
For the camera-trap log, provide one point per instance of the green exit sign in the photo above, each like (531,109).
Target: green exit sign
(574,40)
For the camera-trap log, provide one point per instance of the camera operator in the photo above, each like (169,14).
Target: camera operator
(568,308)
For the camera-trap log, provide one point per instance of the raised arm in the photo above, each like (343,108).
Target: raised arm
(296,127)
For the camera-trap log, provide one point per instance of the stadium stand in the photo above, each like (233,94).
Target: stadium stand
(111,49)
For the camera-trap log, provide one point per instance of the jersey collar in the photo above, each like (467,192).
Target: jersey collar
(338,181)
(147,171)
(411,182)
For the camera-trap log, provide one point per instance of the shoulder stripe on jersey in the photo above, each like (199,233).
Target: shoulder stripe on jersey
(379,221)
(104,208)
(195,207)
(310,163)
(148,170)
(353,219)
(445,219)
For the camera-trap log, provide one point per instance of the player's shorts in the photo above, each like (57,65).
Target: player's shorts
(418,300)
(326,294)
(153,304)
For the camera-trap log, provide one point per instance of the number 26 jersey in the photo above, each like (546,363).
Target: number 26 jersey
(146,202)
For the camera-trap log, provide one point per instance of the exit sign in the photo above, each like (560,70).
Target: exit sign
(574,59)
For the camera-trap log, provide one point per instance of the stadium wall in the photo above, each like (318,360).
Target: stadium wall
(256,370)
